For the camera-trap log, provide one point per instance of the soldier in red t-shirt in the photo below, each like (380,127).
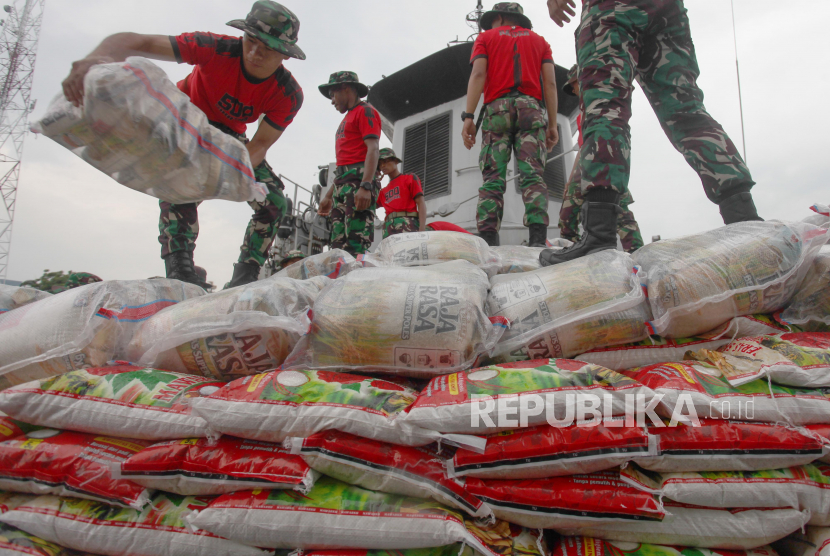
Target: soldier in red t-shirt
(234,81)
(508,59)
(402,198)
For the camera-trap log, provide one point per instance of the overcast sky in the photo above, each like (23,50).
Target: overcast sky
(70,216)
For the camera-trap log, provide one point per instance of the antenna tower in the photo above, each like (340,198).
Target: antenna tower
(474,20)
(19,34)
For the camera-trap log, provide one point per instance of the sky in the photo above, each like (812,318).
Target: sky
(72,217)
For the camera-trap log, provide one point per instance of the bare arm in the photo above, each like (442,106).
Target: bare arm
(116,48)
(422,213)
(561,11)
(363,198)
(474,89)
(265,136)
(552,104)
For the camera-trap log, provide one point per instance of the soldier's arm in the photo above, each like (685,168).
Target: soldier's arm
(552,104)
(265,136)
(116,48)
(474,89)
(422,213)
(363,198)
(561,11)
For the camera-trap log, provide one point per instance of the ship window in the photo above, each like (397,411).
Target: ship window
(554,176)
(426,152)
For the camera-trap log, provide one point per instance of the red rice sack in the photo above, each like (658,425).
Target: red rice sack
(701,386)
(9,428)
(810,306)
(375,465)
(150,404)
(333,264)
(449,403)
(547,451)
(12,297)
(199,467)
(274,406)
(582,546)
(822,433)
(720,445)
(698,282)
(157,530)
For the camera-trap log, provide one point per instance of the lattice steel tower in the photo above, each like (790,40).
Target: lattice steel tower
(19,34)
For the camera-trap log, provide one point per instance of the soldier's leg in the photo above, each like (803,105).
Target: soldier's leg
(400,225)
(178,227)
(531,154)
(571,205)
(360,224)
(496,145)
(266,218)
(338,217)
(627,227)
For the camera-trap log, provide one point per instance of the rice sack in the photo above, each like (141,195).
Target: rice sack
(518,258)
(580,546)
(700,281)
(12,297)
(425,248)
(332,264)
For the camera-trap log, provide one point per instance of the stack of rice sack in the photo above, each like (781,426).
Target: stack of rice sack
(428,248)
(138,128)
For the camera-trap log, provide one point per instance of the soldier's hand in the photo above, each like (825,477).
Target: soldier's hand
(561,11)
(325,206)
(551,137)
(73,85)
(468,133)
(362,199)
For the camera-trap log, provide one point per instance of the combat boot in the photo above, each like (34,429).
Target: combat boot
(243,273)
(492,238)
(599,222)
(178,265)
(538,235)
(739,208)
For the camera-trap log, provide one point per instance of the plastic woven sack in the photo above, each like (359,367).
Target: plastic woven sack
(821,216)
(455,272)
(200,467)
(236,332)
(157,530)
(696,526)
(137,127)
(568,309)
(581,546)
(494,394)
(333,263)
(12,297)
(118,400)
(518,258)
(80,328)
(810,306)
(425,248)
(698,282)
(16,542)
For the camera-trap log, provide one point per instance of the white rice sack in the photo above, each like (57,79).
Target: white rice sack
(425,248)
(698,282)
(333,263)
(568,309)
(518,258)
(12,297)
(821,216)
(810,306)
(370,260)
(585,546)
(456,272)
(137,127)
(82,327)
(228,334)
(157,530)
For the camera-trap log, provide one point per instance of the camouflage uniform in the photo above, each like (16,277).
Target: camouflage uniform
(179,224)
(400,225)
(650,41)
(512,123)
(75,280)
(351,230)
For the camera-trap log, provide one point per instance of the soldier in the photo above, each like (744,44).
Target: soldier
(402,198)
(75,280)
(293,256)
(627,227)
(234,81)
(647,40)
(351,201)
(507,60)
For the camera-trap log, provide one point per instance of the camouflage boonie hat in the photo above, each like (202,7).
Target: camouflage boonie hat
(505,8)
(275,25)
(387,153)
(294,254)
(568,87)
(344,78)
(75,280)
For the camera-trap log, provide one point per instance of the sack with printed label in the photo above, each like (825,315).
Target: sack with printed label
(810,306)
(547,451)
(384,467)
(568,309)
(806,487)
(118,400)
(137,127)
(157,530)
(518,258)
(274,406)
(687,525)
(567,501)
(337,515)
(698,386)
(201,467)
(228,334)
(720,445)
(80,328)
(455,272)
(581,546)
(426,248)
(698,282)
(12,297)
(487,400)
(333,264)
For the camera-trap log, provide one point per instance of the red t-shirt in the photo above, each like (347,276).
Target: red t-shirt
(514,61)
(225,92)
(446,227)
(579,127)
(399,195)
(361,122)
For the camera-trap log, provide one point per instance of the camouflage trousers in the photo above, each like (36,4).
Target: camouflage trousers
(352,230)
(619,41)
(400,225)
(179,224)
(515,123)
(627,227)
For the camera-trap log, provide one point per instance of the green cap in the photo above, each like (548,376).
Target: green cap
(505,8)
(568,87)
(387,153)
(275,25)
(294,254)
(344,78)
